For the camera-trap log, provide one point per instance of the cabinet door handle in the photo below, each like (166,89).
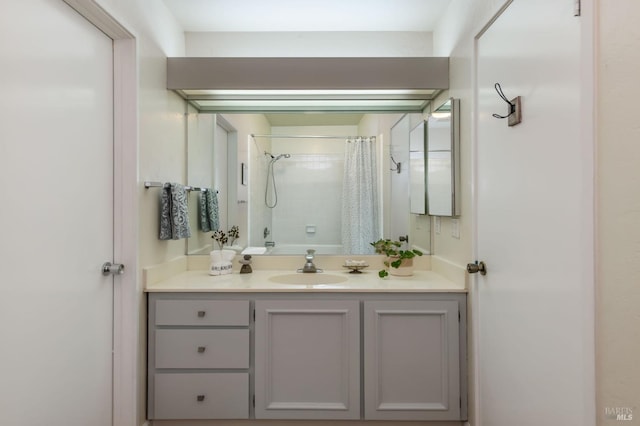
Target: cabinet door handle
(201,314)
(201,349)
(200,398)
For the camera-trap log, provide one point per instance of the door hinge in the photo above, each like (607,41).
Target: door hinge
(253,401)
(459,317)
(254,315)
(576,7)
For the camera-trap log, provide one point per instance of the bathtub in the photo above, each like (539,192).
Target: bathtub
(295,249)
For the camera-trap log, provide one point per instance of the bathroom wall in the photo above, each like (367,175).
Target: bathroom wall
(618,209)
(309,44)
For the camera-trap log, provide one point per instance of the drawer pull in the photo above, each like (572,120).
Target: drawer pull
(201,349)
(200,398)
(201,314)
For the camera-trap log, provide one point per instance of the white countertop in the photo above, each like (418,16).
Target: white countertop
(261,281)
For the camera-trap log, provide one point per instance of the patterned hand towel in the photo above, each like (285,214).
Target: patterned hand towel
(174,215)
(209,215)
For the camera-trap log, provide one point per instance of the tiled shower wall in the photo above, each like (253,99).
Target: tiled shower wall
(309,185)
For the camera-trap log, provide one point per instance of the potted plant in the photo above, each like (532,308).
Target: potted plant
(398,262)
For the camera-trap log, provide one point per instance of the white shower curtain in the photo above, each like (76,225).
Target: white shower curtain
(360,197)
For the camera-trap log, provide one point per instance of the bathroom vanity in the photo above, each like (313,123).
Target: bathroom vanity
(249,347)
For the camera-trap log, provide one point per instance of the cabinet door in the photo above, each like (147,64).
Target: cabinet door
(307,359)
(411,354)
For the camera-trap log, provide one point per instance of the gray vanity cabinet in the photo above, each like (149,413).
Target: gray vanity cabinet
(307,359)
(307,356)
(411,360)
(199,355)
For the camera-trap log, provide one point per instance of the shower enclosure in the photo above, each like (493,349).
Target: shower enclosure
(302,191)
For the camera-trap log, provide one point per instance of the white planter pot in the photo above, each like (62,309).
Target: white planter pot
(221,262)
(405,269)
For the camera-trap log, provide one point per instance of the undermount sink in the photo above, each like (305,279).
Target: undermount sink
(308,279)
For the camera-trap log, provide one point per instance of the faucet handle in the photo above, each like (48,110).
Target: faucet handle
(310,253)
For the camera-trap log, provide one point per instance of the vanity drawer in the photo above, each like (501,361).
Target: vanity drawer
(180,348)
(201,396)
(202,312)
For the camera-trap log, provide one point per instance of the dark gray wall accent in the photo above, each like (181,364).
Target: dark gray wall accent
(307,73)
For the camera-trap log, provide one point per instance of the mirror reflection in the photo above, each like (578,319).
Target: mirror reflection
(324,183)
(443,160)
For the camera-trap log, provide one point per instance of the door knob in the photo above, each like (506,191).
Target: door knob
(109,268)
(472,268)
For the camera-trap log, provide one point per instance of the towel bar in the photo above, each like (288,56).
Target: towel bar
(150,184)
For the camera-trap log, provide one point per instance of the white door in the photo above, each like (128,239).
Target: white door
(56,169)
(533,222)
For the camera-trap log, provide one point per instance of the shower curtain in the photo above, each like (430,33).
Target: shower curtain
(359,196)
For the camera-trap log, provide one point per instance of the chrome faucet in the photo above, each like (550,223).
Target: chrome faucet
(309,266)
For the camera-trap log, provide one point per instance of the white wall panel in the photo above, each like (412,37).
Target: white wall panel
(309,44)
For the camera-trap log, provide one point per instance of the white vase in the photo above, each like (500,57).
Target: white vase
(405,269)
(221,262)
(228,254)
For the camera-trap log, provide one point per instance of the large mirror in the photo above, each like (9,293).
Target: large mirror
(289,193)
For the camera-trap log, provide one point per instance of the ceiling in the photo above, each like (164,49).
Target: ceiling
(307,15)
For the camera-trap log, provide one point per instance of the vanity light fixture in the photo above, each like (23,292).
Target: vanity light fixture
(265,84)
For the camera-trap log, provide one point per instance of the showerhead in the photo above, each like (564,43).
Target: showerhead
(274,159)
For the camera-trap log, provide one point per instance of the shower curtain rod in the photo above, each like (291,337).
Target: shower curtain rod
(305,137)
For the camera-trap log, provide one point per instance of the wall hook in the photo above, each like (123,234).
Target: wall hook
(398,166)
(514,110)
